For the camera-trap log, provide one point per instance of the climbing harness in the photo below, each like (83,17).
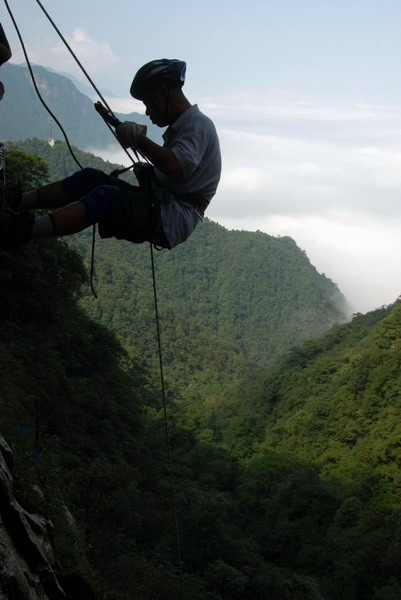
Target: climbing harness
(112,121)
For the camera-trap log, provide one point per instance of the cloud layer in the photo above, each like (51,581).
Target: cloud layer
(328,175)
(96,56)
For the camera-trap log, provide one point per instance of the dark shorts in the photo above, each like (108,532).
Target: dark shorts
(131,214)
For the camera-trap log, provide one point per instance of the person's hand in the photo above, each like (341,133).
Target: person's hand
(128,134)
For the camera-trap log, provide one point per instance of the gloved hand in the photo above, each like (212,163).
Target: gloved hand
(128,133)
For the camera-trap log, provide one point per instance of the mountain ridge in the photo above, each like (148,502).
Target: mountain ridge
(22,115)
(238,299)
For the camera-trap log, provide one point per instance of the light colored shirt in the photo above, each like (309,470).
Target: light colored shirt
(194,141)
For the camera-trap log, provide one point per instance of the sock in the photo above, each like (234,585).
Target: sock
(29,200)
(43,227)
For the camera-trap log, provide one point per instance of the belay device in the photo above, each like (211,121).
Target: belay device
(112,121)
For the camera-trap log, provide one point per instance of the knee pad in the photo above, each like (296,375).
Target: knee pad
(83,182)
(98,203)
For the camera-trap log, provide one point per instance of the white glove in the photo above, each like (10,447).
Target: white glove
(128,133)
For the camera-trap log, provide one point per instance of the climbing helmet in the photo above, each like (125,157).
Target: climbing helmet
(163,69)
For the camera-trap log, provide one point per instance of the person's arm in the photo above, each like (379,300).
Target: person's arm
(133,135)
(162,158)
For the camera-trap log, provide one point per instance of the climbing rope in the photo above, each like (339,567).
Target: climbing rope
(157,319)
(166,426)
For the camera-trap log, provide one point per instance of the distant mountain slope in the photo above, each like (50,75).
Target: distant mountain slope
(335,401)
(226,298)
(254,282)
(23,116)
(350,418)
(230,301)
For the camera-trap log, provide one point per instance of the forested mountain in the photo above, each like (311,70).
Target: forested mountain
(23,116)
(334,401)
(230,301)
(87,428)
(226,299)
(286,483)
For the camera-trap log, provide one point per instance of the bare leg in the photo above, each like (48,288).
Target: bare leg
(70,219)
(53,196)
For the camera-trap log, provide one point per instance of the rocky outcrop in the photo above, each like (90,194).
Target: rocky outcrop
(28,563)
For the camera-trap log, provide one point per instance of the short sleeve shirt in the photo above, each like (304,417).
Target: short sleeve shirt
(194,141)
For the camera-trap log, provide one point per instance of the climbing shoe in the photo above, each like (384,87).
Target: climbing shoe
(15,228)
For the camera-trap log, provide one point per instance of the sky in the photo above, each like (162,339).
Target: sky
(306,98)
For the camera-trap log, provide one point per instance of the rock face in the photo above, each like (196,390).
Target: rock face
(27,558)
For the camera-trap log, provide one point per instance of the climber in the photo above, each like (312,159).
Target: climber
(172,194)
(5,55)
